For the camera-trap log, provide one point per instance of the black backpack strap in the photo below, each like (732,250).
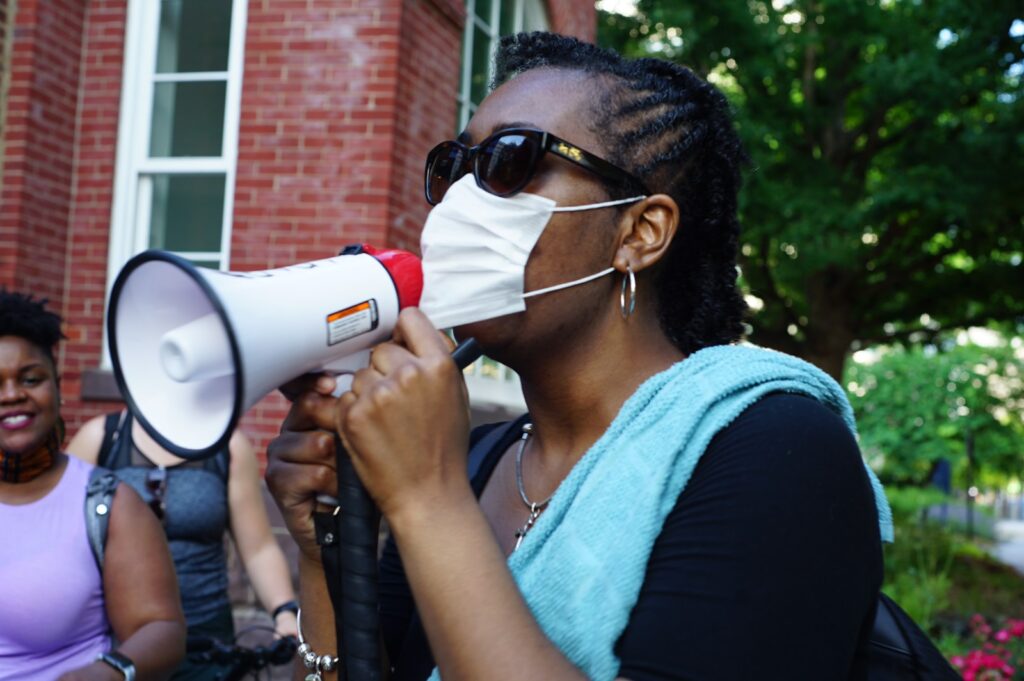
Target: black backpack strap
(900,650)
(99,500)
(482,446)
(112,426)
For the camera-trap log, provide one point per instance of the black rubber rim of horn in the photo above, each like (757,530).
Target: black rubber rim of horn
(236,409)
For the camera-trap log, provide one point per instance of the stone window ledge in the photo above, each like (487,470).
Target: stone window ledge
(99,385)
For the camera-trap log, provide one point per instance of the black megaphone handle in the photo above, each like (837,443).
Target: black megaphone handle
(357,620)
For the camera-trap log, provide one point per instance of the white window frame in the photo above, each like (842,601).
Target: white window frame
(491,27)
(132,195)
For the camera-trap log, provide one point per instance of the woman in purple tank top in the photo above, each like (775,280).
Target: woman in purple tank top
(59,614)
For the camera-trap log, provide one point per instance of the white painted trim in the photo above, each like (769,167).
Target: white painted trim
(182,165)
(132,191)
(123,210)
(232,118)
(189,76)
(197,256)
(466,70)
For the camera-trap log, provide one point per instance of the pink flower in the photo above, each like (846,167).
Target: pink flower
(1002,635)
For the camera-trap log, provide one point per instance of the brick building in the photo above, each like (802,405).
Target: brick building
(241,134)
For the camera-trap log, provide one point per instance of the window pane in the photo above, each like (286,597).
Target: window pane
(534,16)
(188,119)
(508,17)
(187,212)
(194,36)
(208,264)
(480,80)
(483,9)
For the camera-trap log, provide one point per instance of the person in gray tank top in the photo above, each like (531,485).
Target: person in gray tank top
(197,502)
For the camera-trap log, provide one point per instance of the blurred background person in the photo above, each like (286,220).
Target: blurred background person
(197,502)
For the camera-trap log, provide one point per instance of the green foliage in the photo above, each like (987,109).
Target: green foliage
(908,503)
(917,569)
(886,138)
(940,578)
(916,406)
(981,584)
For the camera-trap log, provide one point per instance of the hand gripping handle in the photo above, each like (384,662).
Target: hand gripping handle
(358,529)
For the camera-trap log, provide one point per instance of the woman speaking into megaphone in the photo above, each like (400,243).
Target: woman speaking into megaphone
(674,505)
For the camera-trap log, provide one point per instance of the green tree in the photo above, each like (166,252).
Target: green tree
(885,199)
(916,406)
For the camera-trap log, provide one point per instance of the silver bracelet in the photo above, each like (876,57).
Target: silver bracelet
(310,660)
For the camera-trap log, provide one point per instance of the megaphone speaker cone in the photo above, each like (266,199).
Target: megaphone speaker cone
(194,348)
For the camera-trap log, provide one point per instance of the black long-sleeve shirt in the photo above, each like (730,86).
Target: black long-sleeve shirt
(768,566)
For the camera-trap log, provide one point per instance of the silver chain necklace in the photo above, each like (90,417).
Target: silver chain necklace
(535,507)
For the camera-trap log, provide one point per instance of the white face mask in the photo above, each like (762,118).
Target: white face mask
(475,246)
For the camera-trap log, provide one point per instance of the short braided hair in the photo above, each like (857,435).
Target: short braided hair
(25,317)
(674,131)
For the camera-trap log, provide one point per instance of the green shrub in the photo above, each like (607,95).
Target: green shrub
(917,564)
(908,503)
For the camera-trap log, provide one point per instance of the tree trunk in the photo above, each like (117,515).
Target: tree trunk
(829,331)
(831,361)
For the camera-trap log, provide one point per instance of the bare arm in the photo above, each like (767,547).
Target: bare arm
(260,553)
(301,464)
(141,589)
(86,443)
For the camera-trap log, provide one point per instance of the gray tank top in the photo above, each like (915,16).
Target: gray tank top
(195,516)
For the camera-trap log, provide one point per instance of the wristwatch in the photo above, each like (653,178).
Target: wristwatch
(287,606)
(119,662)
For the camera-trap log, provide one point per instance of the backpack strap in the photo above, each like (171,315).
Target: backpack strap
(99,498)
(899,649)
(479,450)
(111,432)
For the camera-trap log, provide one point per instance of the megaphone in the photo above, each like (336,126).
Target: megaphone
(194,348)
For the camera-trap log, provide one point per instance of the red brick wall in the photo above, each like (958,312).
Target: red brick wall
(39,134)
(316,127)
(5,18)
(426,108)
(103,56)
(339,105)
(573,17)
(314,139)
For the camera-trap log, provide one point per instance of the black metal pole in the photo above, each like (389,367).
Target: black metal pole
(969,447)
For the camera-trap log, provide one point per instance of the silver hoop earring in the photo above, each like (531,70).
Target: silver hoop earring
(627,308)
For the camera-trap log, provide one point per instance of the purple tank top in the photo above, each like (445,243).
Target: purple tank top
(52,616)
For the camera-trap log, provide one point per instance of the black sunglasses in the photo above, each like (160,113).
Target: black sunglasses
(504,163)
(156,484)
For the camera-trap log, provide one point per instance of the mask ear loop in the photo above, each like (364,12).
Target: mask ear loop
(624,309)
(594,206)
(569,284)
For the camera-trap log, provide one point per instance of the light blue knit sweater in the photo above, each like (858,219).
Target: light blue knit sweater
(581,567)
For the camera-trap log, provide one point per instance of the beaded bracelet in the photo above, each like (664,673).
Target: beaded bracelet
(310,660)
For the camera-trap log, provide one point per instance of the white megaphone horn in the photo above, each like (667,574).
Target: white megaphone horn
(194,348)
